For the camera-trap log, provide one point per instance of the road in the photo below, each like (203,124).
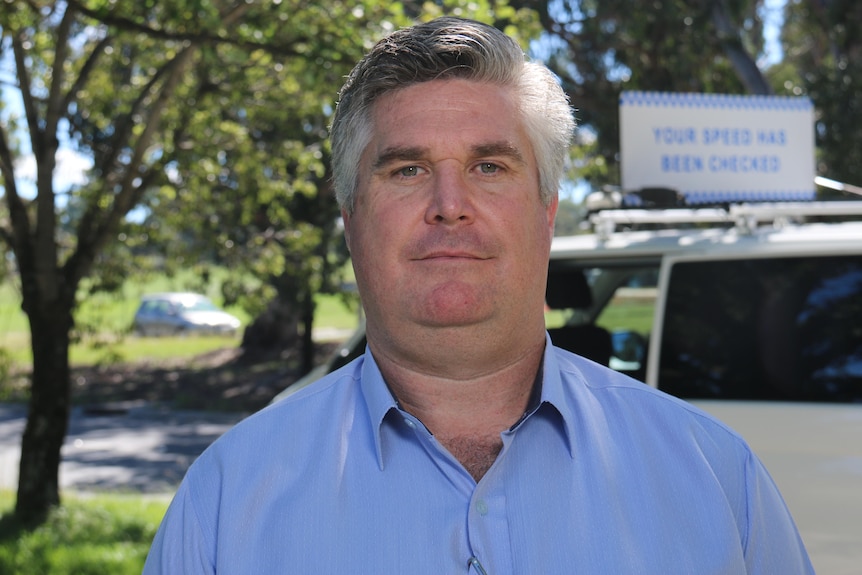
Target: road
(129,448)
(814,453)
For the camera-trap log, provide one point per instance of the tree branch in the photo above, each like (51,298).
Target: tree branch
(55,110)
(195,38)
(30,111)
(124,125)
(19,221)
(93,230)
(728,35)
(79,263)
(86,70)
(157,109)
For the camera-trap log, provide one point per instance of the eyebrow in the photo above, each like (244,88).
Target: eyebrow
(409,153)
(399,154)
(499,149)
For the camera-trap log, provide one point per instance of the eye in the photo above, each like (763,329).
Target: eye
(408,171)
(489,168)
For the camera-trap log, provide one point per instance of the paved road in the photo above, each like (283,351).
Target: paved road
(139,448)
(814,453)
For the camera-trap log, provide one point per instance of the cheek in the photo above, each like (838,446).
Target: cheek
(373,239)
(533,225)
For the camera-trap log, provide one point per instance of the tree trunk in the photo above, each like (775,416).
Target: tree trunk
(48,418)
(743,63)
(307,363)
(276,328)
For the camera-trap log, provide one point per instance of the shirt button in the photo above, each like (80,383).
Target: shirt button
(481,507)
(409,423)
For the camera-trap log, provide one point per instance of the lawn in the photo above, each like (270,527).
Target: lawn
(111,340)
(88,535)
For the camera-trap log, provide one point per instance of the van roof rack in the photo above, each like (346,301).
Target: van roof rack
(745,217)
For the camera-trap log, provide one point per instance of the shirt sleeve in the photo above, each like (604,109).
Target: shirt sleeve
(180,544)
(772,542)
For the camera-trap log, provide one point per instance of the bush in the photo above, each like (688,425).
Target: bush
(104,535)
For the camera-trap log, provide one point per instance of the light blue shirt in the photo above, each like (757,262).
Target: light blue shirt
(605,476)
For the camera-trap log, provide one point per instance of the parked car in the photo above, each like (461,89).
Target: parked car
(750,311)
(178,313)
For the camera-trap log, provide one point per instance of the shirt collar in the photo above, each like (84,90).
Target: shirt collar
(554,393)
(381,402)
(378,398)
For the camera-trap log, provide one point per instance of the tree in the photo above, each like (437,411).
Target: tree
(249,188)
(823,60)
(56,55)
(185,106)
(601,48)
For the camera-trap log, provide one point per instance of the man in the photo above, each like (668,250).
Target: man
(463,441)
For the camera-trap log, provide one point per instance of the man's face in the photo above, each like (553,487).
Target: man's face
(448,230)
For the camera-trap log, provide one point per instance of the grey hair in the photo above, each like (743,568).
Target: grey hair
(447,48)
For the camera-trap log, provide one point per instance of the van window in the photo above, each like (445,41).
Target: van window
(603,313)
(778,329)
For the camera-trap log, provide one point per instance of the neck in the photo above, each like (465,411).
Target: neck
(467,414)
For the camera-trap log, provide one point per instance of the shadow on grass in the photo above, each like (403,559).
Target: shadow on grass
(11,527)
(223,380)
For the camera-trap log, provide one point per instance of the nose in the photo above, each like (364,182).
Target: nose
(450,201)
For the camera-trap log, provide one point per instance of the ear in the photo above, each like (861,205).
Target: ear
(552,213)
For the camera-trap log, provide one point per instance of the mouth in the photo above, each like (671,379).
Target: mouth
(450,255)
(462,248)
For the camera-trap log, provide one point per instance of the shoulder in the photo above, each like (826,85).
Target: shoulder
(649,429)
(277,429)
(634,405)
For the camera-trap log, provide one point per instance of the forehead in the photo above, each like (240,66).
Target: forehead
(447,112)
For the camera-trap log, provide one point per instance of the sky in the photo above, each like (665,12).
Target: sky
(772,15)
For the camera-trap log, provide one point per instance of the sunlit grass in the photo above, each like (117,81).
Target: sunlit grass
(628,316)
(99,535)
(107,321)
(126,349)
(622,316)
(133,348)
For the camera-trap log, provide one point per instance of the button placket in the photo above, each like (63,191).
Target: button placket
(488,526)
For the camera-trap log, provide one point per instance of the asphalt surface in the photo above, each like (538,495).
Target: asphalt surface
(137,448)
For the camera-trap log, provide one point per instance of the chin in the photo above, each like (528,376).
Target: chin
(453,315)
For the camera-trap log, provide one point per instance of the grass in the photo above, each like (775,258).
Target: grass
(621,315)
(331,311)
(98,535)
(628,316)
(113,313)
